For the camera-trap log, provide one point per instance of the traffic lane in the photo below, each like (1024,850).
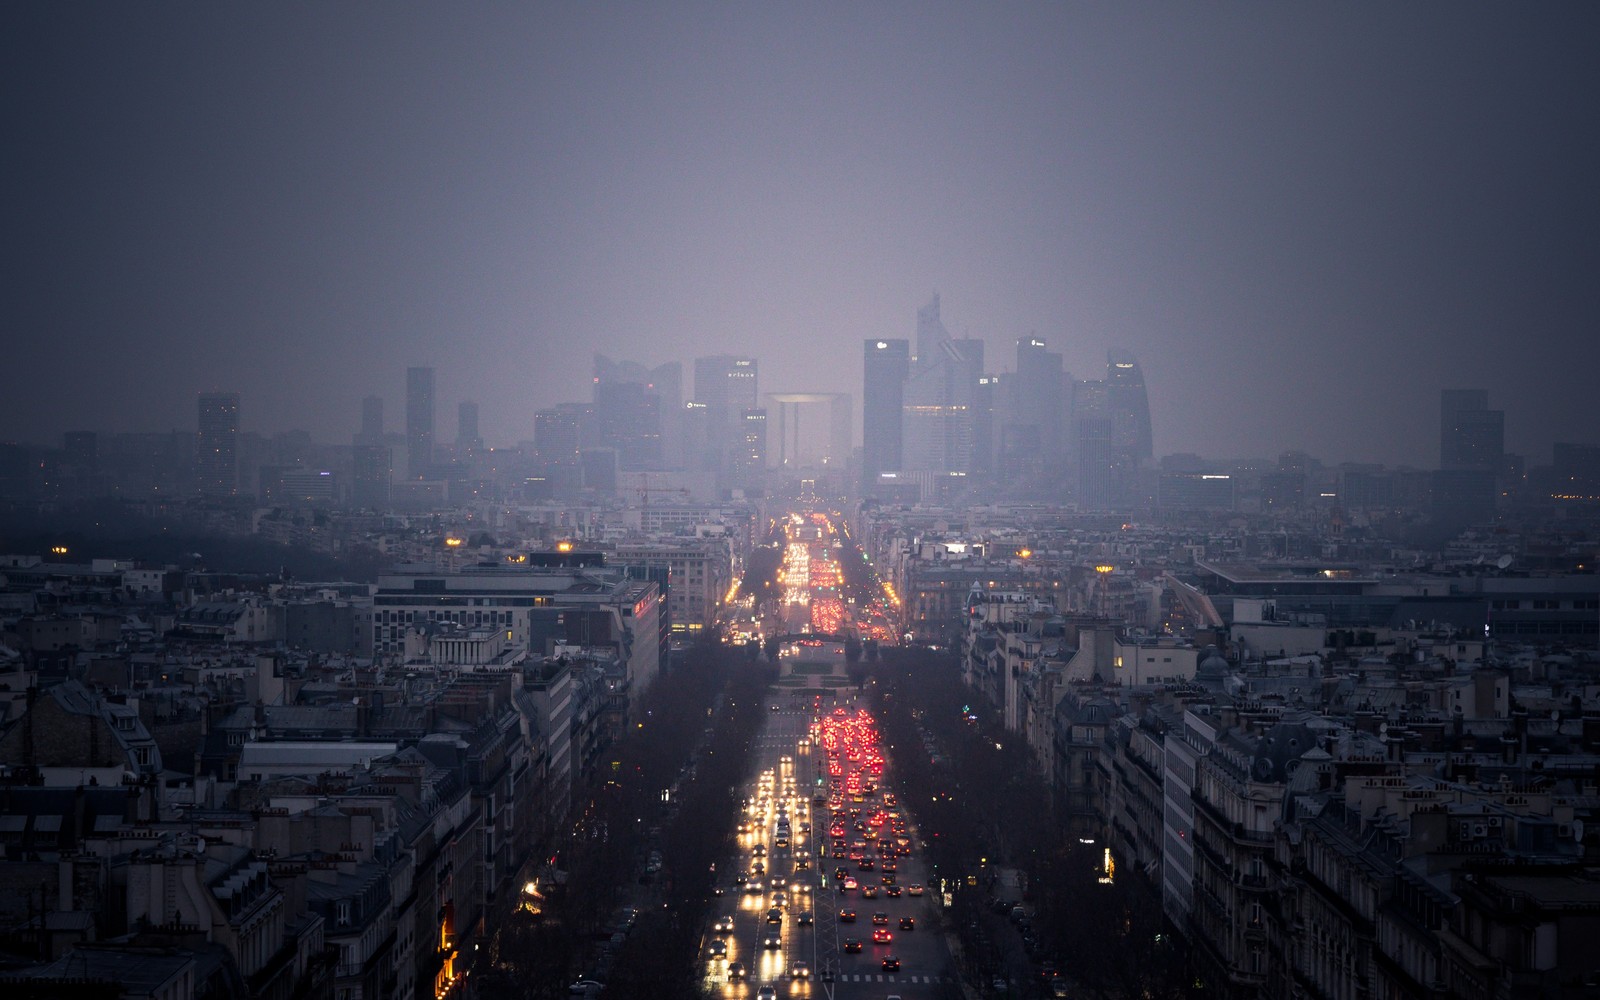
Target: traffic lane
(922,951)
(766,965)
(745,944)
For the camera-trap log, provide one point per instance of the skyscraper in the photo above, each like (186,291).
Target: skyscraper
(371,421)
(370,488)
(636,409)
(419,422)
(884,367)
(1471,456)
(750,461)
(1092,446)
(467,438)
(217,444)
(937,411)
(1130,410)
(1471,436)
(1032,436)
(727,385)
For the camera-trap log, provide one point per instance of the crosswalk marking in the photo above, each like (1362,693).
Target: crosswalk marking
(858,977)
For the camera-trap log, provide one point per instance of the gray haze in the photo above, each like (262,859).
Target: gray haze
(1303,219)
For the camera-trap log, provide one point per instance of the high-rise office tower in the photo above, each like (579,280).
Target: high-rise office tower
(371,421)
(1130,410)
(1033,438)
(1092,446)
(559,438)
(937,411)
(558,433)
(930,330)
(636,410)
(467,438)
(217,444)
(885,365)
(1471,456)
(1471,436)
(984,399)
(370,487)
(750,461)
(419,422)
(727,385)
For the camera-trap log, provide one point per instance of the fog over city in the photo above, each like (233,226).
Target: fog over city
(1303,221)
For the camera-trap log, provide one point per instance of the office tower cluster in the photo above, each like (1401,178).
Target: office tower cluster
(936,423)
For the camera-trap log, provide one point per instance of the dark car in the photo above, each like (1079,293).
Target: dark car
(908,923)
(891,964)
(852,946)
(847,916)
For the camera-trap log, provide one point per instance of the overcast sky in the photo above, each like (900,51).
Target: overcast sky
(1303,219)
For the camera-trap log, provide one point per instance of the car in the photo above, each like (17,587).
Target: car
(852,946)
(1059,990)
(891,963)
(880,920)
(735,972)
(848,884)
(800,970)
(882,936)
(892,891)
(772,940)
(869,892)
(847,916)
(908,923)
(774,916)
(914,889)
(805,918)
(724,924)
(719,890)
(767,992)
(760,850)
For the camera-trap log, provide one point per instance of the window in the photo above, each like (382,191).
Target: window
(341,913)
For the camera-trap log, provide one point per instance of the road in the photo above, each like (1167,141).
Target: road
(784,778)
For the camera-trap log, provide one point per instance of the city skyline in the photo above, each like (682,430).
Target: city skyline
(1304,223)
